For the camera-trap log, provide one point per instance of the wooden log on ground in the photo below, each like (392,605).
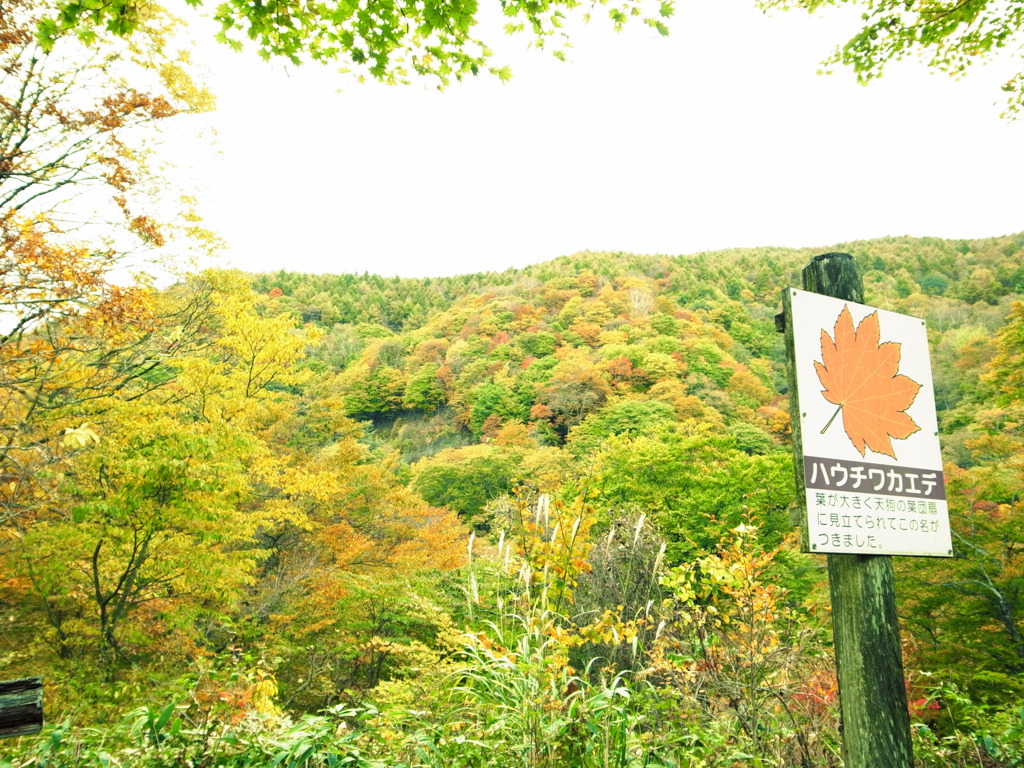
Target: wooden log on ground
(21,707)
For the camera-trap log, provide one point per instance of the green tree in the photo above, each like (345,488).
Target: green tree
(391,42)
(424,391)
(950,35)
(696,484)
(466,479)
(627,417)
(372,389)
(934,283)
(492,399)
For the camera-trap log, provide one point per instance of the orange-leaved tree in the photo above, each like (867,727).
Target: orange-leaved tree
(72,178)
(345,591)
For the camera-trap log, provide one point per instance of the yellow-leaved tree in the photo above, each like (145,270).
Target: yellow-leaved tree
(343,537)
(149,543)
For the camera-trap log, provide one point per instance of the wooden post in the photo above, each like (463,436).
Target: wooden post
(21,707)
(865,628)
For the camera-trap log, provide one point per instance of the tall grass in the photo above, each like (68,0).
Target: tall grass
(517,696)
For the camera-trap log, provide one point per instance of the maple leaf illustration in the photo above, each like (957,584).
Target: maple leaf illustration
(861,377)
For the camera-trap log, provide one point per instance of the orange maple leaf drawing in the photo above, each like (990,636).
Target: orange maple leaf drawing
(861,377)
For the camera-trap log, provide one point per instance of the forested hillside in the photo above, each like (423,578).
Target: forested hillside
(539,517)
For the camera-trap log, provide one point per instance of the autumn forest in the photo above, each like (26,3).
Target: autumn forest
(539,517)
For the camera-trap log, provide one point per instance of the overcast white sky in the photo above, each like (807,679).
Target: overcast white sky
(718,136)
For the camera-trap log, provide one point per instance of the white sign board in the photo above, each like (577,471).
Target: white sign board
(872,466)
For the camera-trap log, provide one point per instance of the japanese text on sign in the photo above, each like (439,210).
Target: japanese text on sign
(821,473)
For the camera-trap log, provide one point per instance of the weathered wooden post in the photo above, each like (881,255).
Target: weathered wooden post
(21,707)
(869,660)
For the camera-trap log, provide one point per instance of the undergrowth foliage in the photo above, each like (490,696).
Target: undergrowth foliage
(710,663)
(745,656)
